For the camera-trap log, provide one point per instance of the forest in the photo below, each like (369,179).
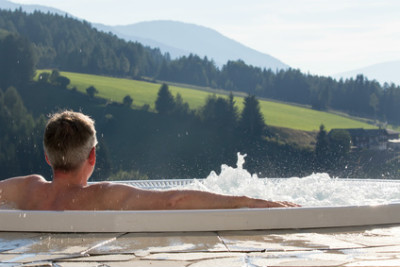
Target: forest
(71,45)
(173,142)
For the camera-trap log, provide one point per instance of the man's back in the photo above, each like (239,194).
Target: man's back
(33,192)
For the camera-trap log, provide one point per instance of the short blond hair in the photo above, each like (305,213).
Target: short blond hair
(68,139)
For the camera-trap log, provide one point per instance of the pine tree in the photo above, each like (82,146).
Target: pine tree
(322,148)
(127,101)
(91,91)
(251,122)
(17,64)
(165,101)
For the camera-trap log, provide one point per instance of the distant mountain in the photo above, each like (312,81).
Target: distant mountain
(4,4)
(179,39)
(388,72)
(173,51)
(176,38)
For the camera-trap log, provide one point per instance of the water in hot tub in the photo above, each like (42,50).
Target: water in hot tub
(315,190)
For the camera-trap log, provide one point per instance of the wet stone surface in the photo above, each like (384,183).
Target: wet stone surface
(361,246)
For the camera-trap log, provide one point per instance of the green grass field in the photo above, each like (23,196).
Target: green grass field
(275,114)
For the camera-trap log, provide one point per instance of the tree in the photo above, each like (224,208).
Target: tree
(322,148)
(20,136)
(54,76)
(220,113)
(181,108)
(127,101)
(103,162)
(44,77)
(339,144)
(91,91)
(165,101)
(63,81)
(17,61)
(331,149)
(374,103)
(251,122)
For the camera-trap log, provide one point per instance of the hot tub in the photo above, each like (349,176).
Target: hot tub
(315,216)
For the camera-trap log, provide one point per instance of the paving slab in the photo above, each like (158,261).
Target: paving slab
(375,253)
(65,243)
(132,263)
(237,261)
(6,264)
(39,264)
(377,263)
(33,258)
(252,241)
(316,241)
(146,243)
(373,237)
(301,258)
(13,240)
(193,256)
(363,246)
(311,258)
(80,264)
(10,264)
(328,238)
(102,258)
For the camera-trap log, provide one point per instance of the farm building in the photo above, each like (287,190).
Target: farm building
(375,139)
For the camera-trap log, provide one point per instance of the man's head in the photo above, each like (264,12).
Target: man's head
(68,139)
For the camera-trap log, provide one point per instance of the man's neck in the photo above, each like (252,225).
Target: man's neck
(69,178)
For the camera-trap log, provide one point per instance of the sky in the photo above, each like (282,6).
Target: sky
(323,37)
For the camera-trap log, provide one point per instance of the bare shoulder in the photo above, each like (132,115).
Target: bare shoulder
(16,188)
(33,178)
(113,187)
(14,185)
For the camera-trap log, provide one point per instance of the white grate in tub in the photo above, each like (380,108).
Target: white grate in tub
(174,183)
(159,184)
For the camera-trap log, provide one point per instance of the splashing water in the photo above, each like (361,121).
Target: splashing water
(315,190)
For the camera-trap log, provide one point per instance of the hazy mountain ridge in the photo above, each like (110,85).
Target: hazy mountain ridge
(382,72)
(173,51)
(179,39)
(207,42)
(176,38)
(4,4)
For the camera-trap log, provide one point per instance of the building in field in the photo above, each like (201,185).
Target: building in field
(374,139)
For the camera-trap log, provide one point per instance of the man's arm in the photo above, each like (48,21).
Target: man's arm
(193,199)
(131,198)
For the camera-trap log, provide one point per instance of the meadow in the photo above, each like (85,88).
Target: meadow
(275,113)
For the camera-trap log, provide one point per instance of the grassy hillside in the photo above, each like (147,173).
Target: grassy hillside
(275,114)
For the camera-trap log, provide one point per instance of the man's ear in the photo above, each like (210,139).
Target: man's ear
(47,159)
(92,156)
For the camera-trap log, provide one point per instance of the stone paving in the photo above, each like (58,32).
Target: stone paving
(361,246)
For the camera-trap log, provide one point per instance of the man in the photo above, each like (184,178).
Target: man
(69,144)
